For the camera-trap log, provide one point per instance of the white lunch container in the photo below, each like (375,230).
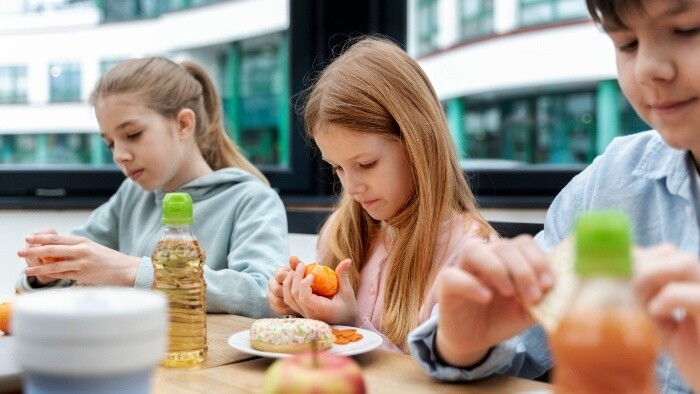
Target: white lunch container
(89,339)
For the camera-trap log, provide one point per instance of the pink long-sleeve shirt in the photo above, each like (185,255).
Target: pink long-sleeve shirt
(453,235)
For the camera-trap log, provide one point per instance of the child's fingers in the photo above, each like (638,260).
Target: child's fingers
(293,261)
(274,288)
(55,270)
(537,259)
(53,239)
(287,292)
(281,274)
(457,284)
(651,276)
(521,272)
(676,296)
(482,262)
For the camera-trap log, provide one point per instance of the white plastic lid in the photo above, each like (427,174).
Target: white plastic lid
(90,330)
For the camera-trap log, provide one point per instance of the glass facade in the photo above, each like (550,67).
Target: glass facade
(476,18)
(123,10)
(427,26)
(13,84)
(556,128)
(64,82)
(65,148)
(537,12)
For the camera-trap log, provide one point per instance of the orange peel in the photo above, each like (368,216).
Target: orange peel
(325,280)
(5,317)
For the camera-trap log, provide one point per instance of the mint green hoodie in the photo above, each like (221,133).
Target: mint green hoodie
(239,221)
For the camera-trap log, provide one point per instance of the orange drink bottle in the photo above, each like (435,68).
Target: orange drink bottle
(605,343)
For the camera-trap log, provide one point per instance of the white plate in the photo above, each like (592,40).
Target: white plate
(370,341)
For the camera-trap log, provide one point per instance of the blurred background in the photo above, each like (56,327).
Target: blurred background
(528,87)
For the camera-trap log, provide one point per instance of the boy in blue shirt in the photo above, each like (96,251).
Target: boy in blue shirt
(482,328)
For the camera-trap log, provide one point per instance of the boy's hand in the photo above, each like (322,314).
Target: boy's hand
(481,298)
(83,260)
(667,281)
(275,292)
(340,309)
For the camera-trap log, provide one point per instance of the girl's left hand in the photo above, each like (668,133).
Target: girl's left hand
(341,309)
(667,281)
(83,260)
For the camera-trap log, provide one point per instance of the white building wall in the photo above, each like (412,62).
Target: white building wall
(564,55)
(39,40)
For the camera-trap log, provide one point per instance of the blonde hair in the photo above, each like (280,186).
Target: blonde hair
(168,88)
(375,87)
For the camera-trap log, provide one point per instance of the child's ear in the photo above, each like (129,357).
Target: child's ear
(186,121)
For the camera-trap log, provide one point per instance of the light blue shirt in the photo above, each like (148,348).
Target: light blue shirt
(638,174)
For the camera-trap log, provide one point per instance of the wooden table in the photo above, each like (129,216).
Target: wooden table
(230,371)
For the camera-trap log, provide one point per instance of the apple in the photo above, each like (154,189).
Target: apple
(317,373)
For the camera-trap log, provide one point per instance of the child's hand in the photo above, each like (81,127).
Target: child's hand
(481,298)
(82,260)
(667,281)
(34,262)
(275,293)
(340,309)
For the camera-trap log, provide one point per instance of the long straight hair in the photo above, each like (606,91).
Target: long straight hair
(168,88)
(375,87)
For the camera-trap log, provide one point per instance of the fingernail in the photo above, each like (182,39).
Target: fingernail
(546,279)
(483,294)
(533,293)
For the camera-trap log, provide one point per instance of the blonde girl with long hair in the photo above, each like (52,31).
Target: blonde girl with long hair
(162,122)
(406,209)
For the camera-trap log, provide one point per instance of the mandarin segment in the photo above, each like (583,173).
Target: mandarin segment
(325,280)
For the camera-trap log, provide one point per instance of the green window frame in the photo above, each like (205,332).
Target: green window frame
(427,25)
(539,12)
(476,18)
(258,92)
(13,84)
(65,82)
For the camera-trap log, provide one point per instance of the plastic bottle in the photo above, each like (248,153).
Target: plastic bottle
(605,343)
(178,261)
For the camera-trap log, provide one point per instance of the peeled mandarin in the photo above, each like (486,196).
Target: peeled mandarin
(325,280)
(5,317)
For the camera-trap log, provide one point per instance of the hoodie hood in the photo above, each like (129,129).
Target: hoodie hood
(211,185)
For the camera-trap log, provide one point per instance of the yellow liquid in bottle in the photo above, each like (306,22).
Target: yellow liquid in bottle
(178,274)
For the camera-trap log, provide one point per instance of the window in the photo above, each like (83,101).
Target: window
(65,82)
(262,101)
(13,84)
(557,128)
(427,20)
(106,65)
(536,12)
(64,148)
(476,18)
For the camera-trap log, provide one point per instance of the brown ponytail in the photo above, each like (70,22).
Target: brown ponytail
(167,88)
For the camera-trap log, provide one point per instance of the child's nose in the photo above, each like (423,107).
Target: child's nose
(353,184)
(120,154)
(654,63)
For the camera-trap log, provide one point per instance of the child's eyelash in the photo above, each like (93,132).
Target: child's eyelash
(368,165)
(688,32)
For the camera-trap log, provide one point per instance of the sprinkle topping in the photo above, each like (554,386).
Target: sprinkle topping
(291,331)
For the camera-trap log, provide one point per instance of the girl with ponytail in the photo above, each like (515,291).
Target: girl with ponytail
(162,121)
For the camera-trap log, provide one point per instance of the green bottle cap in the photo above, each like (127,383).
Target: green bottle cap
(603,244)
(177,209)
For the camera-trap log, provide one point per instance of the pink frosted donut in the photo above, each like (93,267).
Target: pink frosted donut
(290,335)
